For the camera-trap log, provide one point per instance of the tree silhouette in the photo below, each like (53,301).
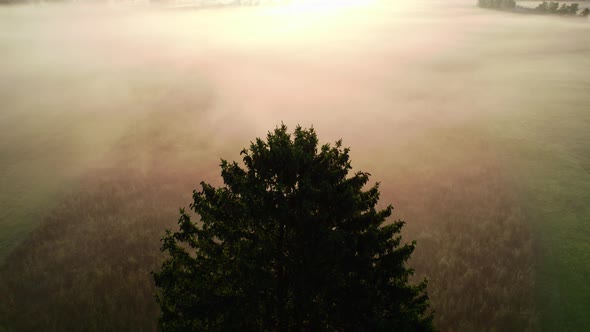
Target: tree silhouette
(290,242)
(573,8)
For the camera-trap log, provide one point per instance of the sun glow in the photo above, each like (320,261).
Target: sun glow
(302,17)
(324,5)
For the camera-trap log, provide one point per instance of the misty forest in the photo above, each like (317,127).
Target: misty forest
(294,165)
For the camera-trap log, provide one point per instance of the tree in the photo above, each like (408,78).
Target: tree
(509,4)
(543,7)
(291,241)
(585,12)
(573,8)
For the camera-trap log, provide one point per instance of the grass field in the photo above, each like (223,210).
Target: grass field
(550,163)
(476,123)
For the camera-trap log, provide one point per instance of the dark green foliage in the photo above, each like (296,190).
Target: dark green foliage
(572,9)
(553,7)
(545,7)
(290,242)
(585,12)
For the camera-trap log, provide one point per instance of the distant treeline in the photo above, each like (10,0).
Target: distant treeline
(545,7)
(497,4)
(553,7)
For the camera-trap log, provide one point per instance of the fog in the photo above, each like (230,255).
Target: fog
(435,98)
(77,81)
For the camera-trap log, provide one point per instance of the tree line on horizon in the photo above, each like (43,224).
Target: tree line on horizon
(546,7)
(553,7)
(497,4)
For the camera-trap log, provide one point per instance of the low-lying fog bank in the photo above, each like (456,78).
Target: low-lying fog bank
(474,121)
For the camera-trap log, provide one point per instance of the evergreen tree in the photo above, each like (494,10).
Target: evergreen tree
(291,241)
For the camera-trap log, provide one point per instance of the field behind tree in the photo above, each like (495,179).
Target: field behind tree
(475,122)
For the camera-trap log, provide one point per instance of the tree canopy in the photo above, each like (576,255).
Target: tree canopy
(291,241)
